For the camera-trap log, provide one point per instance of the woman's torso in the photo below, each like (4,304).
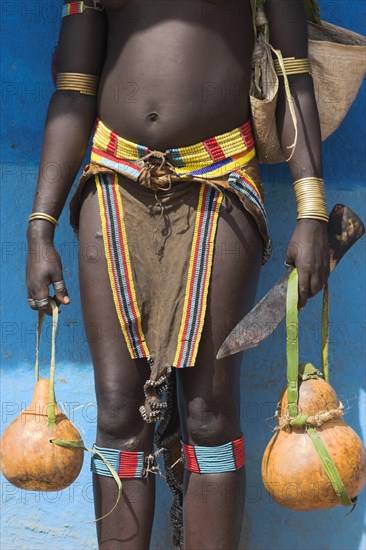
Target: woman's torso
(176,71)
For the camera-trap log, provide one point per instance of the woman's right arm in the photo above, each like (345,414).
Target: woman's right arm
(70,119)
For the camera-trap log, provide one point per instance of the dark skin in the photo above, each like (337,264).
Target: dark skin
(172,74)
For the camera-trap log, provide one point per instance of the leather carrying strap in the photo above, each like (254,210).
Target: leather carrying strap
(292,353)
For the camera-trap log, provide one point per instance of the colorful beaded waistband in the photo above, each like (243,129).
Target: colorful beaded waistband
(209,460)
(211,158)
(127,464)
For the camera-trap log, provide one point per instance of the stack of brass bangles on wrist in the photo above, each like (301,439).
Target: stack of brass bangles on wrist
(310,197)
(84,83)
(43,216)
(293,66)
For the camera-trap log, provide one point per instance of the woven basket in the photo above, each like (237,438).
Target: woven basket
(338,62)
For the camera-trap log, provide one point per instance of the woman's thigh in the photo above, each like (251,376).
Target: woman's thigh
(209,393)
(119,379)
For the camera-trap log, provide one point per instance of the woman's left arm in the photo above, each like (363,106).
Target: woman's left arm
(308,249)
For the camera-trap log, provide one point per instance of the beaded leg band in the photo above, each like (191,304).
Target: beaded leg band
(208,460)
(128,464)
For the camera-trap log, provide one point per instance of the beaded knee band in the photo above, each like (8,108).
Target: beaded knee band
(128,464)
(209,460)
(73,8)
(293,66)
(78,82)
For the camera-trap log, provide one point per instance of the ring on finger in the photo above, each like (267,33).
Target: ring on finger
(59,286)
(42,303)
(287,265)
(31,302)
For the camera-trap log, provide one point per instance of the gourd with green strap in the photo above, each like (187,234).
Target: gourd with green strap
(292,351)
(51,411)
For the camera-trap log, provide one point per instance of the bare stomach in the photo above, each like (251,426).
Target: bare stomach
(176,72)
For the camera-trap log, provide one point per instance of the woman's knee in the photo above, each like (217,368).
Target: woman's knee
(119,423)
(211,424)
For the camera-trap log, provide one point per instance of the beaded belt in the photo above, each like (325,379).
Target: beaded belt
(211,158)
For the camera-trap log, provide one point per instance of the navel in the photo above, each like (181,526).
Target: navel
(153,117)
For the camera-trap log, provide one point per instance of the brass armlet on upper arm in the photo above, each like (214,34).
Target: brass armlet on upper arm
(293,66)
(78,82)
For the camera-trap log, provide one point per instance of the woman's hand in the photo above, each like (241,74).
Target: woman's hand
(43,268)
(308,250)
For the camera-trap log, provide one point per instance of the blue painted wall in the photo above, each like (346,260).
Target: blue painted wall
(59,520)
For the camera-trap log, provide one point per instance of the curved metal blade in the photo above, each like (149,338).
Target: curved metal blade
(251,330)
(344,229)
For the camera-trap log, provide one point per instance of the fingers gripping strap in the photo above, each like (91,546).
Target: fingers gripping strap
(127,464)
(208,460)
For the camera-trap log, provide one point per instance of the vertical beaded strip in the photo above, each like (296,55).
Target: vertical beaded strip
(199,272)
(241,181)
(119,264)
(127,464)
(208,460)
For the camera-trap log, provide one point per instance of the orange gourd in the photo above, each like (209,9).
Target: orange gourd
(315,460)
(292,471)
(28,458)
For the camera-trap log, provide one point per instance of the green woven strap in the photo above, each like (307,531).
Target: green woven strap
(325,334)
(330,467)
(292,352)
(292,344)
(51,398)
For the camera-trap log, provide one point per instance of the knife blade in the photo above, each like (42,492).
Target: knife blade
(344,229)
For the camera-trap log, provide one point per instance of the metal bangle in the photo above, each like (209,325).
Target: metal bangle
(43,216)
